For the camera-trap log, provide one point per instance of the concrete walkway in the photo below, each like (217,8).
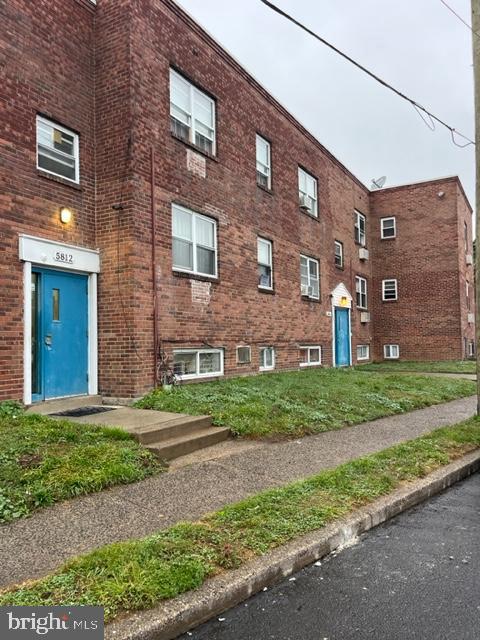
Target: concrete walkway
(37,545)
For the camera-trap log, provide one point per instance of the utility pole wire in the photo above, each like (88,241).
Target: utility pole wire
(414,103)
(459,17)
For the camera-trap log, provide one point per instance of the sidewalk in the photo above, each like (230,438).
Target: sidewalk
(37,545)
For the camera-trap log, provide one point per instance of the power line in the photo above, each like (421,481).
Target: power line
(459,17)
(414,103)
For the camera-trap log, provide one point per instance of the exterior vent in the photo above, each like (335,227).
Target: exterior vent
(364,316)
(304,202)
(363,253)
(471,318)
(469,258)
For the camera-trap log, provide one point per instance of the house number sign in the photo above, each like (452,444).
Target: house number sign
(61,256)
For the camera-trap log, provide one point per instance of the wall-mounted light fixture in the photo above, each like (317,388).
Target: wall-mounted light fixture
(65,215)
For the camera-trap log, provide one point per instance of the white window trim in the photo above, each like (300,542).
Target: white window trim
(270,368)
(313,213)
(389,347)
(192,130)
(244,346)
(382,229)
(210,374)
(363,346)
(76,149)
(360,216)
(359,279)
(311,364)
(194,243)
(309,259)
(471,348)
(270,244)
(383,290)
(338,244)
(268,175)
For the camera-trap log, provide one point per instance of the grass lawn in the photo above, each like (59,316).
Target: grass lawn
(292,404)
(137,574)
(440,366)
(43,461)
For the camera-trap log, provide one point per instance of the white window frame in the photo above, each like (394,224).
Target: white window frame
(269,243)
(244,346)
(387,351)
(195,216)
(309,180)
(361,288)
(191,121)
(338,244)
(210,374)
(360,236)
(309,260)
(384,282)
(382,228)
(265,170)
(471,348)
(309,363)
(262,366)
(367,352)
(76,149)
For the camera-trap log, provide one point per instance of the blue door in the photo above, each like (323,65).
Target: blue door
(342,337)
(61,358)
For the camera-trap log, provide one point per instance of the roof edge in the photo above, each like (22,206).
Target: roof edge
(420,183)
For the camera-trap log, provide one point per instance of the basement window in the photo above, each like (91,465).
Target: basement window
(391,351)
(57,150)
(363,352)
(310,356)
(267,358)
(198,363)
(243,355)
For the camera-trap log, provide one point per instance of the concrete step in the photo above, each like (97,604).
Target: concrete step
(64,404)
(179,426)
(180,446)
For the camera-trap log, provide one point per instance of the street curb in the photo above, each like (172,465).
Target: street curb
(216,595)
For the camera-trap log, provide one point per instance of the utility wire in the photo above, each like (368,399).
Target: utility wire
(459,17)
(414,103)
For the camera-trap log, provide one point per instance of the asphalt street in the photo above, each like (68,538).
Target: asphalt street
(415,577)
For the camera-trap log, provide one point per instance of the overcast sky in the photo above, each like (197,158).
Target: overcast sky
(416,45)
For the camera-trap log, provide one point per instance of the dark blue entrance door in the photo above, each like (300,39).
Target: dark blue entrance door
(342,337)
(63,335)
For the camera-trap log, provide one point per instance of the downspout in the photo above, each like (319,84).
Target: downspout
(154,267)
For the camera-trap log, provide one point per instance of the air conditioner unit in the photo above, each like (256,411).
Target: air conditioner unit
(364,316)
(471,318)
(304,202)
(363,253)
(306,290)
(469,258)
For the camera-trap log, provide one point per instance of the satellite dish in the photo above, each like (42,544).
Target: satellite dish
(378,183)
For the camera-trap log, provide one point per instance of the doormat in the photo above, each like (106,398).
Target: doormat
(82,411)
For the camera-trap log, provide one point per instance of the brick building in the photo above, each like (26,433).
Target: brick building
(156,199)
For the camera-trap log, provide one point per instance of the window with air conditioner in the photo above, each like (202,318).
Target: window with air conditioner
(309,277)
(57,150)
(307,192)
(265,263)
(310,356)
(267,358)
(198,363)
(389,290)
(361,292)
(264,168)
(194,238)
(388,228)
(192,114)
(360,228)
(391,351)
(363,352)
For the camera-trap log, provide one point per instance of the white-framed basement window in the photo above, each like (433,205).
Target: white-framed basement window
(471,349)
(388,228)
(192,114)
(198,363)
(264,162)
(363,352)
(307,192)
(310,356)
(194,240)
(389,290)
(267,358)
(361,291)
(243,355)
(360,228)
(57,150)
(309,277)
(265,263)
(391,351)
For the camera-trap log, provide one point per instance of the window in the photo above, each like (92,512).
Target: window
(194,242)
(264,169)
(243,355)
(389,290)
(467,291)
(465,234)
(310,356)
(361,290)
(265,263)
(388,228)
(309,279)
(192,114)
(391,351)
(471,349)
(57,150)
(267,358)
(360,224)
(307,192)
(339,254)
(198,363)
(363,352)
